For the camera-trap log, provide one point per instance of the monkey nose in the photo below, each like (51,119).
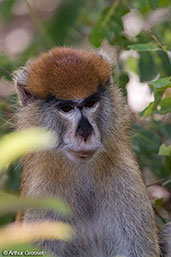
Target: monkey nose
(84,129)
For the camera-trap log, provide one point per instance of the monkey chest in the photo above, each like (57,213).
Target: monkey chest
(85,204)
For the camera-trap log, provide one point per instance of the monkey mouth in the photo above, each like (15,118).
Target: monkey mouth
(83,154)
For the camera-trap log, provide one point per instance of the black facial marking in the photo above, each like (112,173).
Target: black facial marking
(87,102)
(92,99)
(63,103)
(59,102)
(84,128)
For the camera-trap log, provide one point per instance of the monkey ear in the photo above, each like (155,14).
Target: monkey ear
(20,78)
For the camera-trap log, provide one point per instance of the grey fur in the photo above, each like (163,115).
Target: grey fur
(165,240)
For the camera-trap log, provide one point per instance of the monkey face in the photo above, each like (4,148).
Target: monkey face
(70,92)
(80,136)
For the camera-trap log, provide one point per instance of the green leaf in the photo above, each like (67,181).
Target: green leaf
(148,68)
(120,11)
(165,105)
(158,202)
(123,80)
(154,4)
(63,20)
(109,35)
(103,15)
(158,93)
(18,233)
(144,47)
(148,110)
(5,9)
(165,150)
(168,167)
(115,27)
(97,36)
(165,67)
(13,203)
(131,63)
(160,83)
(109,25)
(142,6)
(16,144)
(152,108)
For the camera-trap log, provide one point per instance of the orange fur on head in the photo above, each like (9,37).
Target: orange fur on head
(67,73)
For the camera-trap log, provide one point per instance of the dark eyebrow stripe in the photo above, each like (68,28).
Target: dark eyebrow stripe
(80,103)
(63,103)
(60,102)
(95,96)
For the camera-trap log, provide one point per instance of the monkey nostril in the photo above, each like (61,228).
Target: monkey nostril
(84,129)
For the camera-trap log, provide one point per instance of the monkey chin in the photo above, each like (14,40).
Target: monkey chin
(81,155)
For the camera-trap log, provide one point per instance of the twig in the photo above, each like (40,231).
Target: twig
(159,43)
(160,181)
(166,182)
(111,12)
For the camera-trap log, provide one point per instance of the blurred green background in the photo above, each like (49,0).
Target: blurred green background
(137,36)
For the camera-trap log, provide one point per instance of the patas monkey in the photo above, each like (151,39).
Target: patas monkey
(93,167)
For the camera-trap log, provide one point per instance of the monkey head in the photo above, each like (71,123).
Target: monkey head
(68,91)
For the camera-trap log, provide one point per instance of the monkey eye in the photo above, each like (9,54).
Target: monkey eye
(90,104)
(66,108)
